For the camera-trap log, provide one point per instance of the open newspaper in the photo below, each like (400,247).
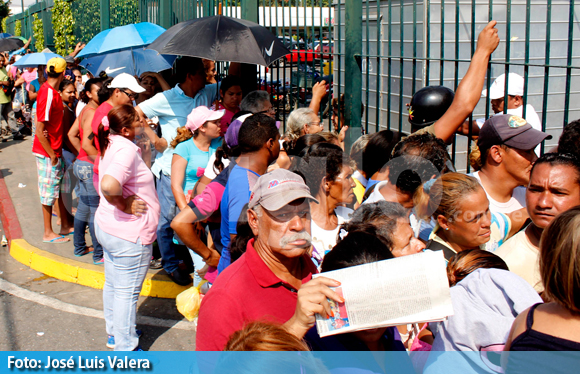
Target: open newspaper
(392,292)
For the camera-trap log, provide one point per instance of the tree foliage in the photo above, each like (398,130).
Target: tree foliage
(38,32)
(18,28)
(63,25)
(4,12)
(87,15)
(124,12)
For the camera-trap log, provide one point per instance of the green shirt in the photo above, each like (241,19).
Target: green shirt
(3,77)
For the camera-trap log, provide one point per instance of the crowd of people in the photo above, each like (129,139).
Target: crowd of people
(202,172)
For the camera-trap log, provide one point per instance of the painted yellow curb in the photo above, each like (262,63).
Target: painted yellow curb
(155,285)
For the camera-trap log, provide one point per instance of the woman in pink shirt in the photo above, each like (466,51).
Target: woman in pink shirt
(231,93)
(125,223)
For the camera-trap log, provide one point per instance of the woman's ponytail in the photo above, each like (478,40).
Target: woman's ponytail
(103,139)
(183,134)
(422,200)
(475,158)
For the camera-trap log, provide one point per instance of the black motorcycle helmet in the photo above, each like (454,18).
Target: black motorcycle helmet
(428,105)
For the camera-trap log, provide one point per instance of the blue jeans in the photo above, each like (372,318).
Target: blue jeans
(126,265)
(164,232)
(88,204)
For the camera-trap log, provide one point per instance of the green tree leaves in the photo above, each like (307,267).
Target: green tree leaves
(18,28)
(38,32)
(63,25)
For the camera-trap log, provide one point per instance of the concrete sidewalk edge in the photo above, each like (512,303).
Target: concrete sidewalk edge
(68,270)
(84,274)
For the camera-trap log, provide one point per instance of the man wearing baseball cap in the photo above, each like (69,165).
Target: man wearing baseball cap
(515,103)
(48,151)
(263,282)
(506,143)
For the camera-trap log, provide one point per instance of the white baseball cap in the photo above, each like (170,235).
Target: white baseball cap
(125,80)
(515,86)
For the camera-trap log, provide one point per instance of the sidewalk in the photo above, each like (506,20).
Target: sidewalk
(21,215)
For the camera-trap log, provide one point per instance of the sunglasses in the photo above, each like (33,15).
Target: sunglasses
(132,96)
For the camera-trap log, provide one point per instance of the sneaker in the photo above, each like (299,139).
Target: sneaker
(17,136)
(111,339)
(181,277)
(99,262)
(155,263)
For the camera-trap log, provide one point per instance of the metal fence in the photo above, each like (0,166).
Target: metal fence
(381,52)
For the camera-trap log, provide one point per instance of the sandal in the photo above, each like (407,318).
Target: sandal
(57,240)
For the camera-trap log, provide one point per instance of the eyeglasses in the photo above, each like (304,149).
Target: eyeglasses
(271,110)
(131,96)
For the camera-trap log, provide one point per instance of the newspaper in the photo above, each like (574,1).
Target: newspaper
(393,292)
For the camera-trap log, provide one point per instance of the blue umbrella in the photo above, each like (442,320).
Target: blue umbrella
(4,35)
(134,62)
(122,38)
(32,60)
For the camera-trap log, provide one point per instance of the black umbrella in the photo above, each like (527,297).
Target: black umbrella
(221,38)
(10,44)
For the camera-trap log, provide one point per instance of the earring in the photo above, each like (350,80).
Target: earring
(447,229)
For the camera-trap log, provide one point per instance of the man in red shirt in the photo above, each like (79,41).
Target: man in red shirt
(47,148)
(263,283)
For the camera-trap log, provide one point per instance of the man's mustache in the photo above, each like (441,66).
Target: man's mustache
(302,235)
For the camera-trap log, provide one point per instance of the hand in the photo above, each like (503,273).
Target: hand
(54,160)
(79,47)
(150,123)
(342,134)
(149,74)
(312,300)
(319,89)
(135,206)
(488,39)
(45,133)
(213,259)
(203,271)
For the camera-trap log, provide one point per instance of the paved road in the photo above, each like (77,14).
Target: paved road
(38,312)
(42,313)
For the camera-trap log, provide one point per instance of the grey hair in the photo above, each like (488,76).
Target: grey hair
(383,215)
(357,149)
(258,210)
(296,121)
(254,101)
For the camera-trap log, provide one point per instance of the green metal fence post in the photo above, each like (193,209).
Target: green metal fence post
(105,14)
(353,89)
(250,10)
(165,13)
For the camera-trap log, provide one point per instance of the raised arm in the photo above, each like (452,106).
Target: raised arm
(469,90)
(318,92)
(160,144)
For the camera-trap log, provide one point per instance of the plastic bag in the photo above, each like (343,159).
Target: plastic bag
(188,302)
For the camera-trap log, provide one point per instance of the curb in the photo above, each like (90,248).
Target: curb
(68,270)
(155,285)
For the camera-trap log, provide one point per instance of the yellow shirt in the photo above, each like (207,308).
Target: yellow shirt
(523,258)
(359,190)
(3,77)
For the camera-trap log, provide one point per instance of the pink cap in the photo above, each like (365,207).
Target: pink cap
(201,115)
